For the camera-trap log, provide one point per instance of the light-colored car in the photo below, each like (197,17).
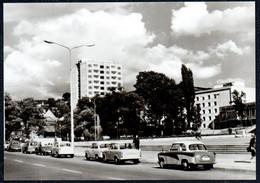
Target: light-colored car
(44,147)
(62,148)
(121,152)
(29,147)
(6,145)
(188,154)
(14,146)
(96,150)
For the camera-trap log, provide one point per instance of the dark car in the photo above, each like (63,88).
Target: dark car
(14,146)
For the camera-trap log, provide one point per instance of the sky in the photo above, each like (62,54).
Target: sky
(216,40)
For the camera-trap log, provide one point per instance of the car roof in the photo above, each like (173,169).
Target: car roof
(188,142)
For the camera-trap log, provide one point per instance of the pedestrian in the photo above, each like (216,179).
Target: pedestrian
(252,146)
(136,142)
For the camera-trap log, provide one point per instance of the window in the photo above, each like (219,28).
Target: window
(203,104)
(101,77)
(102,88)
(101,66)
(119,73)
(89,65)
(204,118)
(204,125)
(89,76)
(118,68)
(210,118)
(119,78)
(215,103)
(108,77)
(89,81)
(107,67)
(175,147)
(208,96)
(101,72)
(90,87)
(215,95)
(203,98)
(208,103)
(209,110)
(197,98)
(102,82)
(203,111)
(89,70)
(216,110)
(108,72)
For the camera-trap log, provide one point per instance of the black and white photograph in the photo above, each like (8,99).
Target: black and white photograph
(129,91)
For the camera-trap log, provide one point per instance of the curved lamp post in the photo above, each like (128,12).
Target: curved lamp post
(71,108)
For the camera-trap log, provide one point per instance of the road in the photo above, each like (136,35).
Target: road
(18,166)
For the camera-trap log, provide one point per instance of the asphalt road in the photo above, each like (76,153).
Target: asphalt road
(18,166)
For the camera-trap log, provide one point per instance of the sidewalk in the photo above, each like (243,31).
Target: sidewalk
(237,162)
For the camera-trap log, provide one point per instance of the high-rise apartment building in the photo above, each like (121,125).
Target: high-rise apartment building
(92,77)
(211,100)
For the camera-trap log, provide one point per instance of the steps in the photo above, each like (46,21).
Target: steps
(218,149)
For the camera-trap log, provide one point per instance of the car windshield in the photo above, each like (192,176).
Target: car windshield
(197,147)
(65,144)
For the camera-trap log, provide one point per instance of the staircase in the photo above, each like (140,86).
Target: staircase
(218,149)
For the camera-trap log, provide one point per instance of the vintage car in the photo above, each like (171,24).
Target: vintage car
(14,146)
(118,153)
(6,145)
(188,154)
(44,147)
(29,147)
(62,148)
(96,150)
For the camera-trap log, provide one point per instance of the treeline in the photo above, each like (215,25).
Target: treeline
(157,107)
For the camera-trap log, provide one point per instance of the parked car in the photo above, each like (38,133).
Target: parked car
(6,145)
(44,147)
(122,152)
(188,154)
(29,147)
(96,150)
(14,146)
(62,148)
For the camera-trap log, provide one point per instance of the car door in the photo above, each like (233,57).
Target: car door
(173,157)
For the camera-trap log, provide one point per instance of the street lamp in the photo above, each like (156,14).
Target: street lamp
(71,108)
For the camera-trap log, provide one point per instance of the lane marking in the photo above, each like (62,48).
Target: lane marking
(39,165)
(18,160)
(73,171)
(115,178)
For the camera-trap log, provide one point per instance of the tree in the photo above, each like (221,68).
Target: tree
(161,96)
(187,86)
(12,119)
(238,103)
(31,116)
(66,96)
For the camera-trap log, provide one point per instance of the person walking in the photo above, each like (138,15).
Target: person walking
(136,142)
(252,146)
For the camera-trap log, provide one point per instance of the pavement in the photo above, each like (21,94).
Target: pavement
(235,162)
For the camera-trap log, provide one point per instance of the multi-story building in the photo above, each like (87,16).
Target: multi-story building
(211,100)
(92,77)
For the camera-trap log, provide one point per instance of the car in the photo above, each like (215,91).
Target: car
(121,152)
(14,146)
(29,146)
(188,154)
(6,145)
(44,147)
(62,148)
(95,151)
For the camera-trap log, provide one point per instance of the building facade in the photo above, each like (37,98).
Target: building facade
(210,100)
(92,77)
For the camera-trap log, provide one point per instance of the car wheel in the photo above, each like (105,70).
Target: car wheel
(96,157)
(57,155)
(162,163)
(185,165)
(72,155)
(117,161)
(104,158)
(86,155)
(136,161)
(207,167)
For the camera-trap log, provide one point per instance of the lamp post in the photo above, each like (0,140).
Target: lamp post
(71,107)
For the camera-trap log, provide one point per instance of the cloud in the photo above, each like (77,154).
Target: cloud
(204,72)
(195,19)
(222,50)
